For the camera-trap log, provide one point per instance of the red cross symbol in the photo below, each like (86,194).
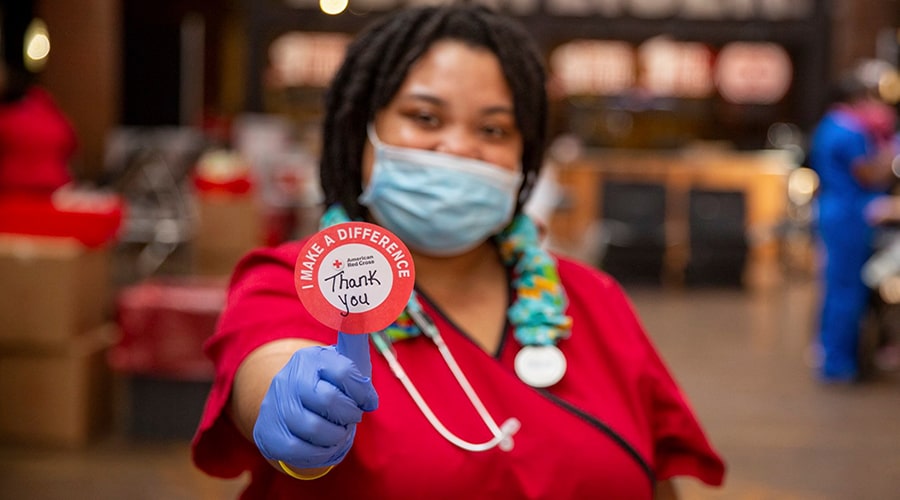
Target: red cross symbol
(336,264)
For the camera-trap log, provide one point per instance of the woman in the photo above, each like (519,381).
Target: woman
(434,129)
(852,151)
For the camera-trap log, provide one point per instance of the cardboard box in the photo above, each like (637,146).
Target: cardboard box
(52,290)
(58,397)
(230,225)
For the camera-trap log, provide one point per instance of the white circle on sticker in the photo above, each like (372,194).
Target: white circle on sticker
(354,278)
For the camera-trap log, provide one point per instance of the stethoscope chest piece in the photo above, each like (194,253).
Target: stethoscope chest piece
(541,365)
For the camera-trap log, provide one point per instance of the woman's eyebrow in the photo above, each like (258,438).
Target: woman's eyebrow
(437,101)
(429,98)
(502,109)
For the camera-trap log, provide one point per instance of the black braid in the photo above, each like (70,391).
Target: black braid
(376,64)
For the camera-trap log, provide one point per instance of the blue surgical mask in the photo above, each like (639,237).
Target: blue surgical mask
(438,204)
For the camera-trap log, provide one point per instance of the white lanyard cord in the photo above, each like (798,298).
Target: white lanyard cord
(502,434)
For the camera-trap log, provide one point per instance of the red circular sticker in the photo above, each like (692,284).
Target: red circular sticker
(355,277)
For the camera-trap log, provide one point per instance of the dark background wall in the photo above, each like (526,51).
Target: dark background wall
(116,61)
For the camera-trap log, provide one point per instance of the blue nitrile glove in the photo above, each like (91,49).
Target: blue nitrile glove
(309,414)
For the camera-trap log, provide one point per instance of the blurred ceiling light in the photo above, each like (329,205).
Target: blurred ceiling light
(333,7)
(781,134)
(594,67)
(753,72)
(890,290)
(787,137)
(300,59)
(802,185)
(37,45)
(676,69)
(889,86)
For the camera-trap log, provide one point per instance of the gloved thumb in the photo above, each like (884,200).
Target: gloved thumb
(356,347)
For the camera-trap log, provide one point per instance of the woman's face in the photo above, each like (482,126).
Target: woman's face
(454,100)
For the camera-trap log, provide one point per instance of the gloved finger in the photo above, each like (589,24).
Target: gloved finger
(288,415)
(310,457)
(301,453)
(316,430)
(356,347)
(345,375)
(329,402)
(326,395)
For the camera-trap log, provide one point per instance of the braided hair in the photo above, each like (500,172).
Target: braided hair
(376,64)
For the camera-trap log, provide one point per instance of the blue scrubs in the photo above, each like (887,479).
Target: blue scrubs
(846,240)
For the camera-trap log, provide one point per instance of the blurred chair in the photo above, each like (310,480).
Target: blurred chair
(718,237)
(633,231)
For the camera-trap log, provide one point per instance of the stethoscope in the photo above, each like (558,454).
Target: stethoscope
(544,365)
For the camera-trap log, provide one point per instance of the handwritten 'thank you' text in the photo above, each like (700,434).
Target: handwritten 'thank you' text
(340,282)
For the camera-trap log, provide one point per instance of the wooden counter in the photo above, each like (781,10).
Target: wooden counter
(761,176)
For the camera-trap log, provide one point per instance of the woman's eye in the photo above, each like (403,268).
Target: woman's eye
(425,119)
(494,132)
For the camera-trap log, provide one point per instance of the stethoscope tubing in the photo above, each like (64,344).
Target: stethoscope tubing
(502,433)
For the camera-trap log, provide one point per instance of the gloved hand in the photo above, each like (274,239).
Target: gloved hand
(309,414)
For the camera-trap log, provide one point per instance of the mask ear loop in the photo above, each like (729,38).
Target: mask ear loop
(372,136)
(502,434)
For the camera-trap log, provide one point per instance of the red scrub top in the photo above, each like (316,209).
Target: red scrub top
(616,422)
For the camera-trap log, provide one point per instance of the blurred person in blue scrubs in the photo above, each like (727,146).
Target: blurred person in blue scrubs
(852,149)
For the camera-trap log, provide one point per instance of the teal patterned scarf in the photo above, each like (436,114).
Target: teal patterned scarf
(538,313)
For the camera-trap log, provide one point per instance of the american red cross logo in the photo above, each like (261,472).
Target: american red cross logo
(337,264)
